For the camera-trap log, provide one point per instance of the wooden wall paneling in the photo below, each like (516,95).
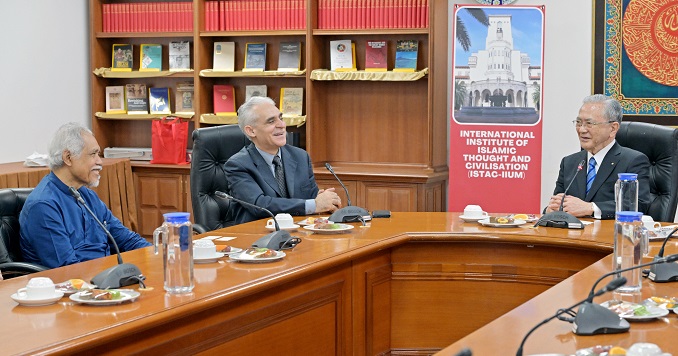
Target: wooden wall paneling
(157,194)
(395,197)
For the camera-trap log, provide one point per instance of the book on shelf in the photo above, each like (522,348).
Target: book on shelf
(255,57)
(342,55)
(159,99)
(406,56)
(289,56)
(122,58)
(224,57)
(150,58)
(255,90)
(291,101)
(183,98)
(137,99)
(376,56)
(179,56)
(224,99)
(115,99)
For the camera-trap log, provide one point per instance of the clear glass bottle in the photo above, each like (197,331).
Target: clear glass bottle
(626,192)
(628,248)
(177,243)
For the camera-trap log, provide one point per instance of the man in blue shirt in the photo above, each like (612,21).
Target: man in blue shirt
(55,229)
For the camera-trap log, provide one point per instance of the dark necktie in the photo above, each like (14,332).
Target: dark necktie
(280,176)
(591,175)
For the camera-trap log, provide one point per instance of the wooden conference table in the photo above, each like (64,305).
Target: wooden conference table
(411,284)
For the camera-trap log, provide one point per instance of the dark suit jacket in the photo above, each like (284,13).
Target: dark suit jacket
(618,160)
(250,179)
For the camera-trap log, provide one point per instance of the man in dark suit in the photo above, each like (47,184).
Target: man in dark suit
(252,175)
(597,125)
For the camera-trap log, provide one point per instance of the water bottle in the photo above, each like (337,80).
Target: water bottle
(629,241)
(626,192)
(177,252)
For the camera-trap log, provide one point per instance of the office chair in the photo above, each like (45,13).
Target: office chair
(660,145)
(11,262)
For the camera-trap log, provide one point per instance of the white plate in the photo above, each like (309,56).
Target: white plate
(38,302)
(68,289)
(126,294)
(234,250)
(245,258)
(290,228)
(472,218)
(675,310)
(342,228)
(306,222)
(655,312)
(212,259)
(516,222)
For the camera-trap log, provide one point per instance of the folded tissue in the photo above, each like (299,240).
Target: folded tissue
(36,160)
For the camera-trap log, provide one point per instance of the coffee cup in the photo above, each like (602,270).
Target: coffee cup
(474,211)
(37,288)
(650,224)
(285,221)
(204,249)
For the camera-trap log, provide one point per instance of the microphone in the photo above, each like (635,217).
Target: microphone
(124,274)
(561,218)
(348,213)
(275,240)
(664,272)
(616,283)
(593,319)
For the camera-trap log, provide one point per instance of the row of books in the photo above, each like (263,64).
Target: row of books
(342,56)
(150,57)
(289,56)
(135,99)
(291,99)
(366,14)
(148,17)
(239,15)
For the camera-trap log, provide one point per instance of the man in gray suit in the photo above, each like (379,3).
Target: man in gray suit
(592,192)
(269,173)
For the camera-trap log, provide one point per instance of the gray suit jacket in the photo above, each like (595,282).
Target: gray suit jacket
(618,160)
(250,179)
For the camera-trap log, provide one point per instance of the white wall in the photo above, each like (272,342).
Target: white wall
(44,61)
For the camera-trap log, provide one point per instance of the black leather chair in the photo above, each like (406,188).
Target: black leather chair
(212,147)
(660,145)
(11,263)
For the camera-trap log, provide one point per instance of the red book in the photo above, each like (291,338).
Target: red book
(369,14)
(224,99)
(215,16)
(208,16)
(352,11)
(106,10)
(376,54)
(426,14)
(302,7)
(390,9)
(400,7)
(360,18)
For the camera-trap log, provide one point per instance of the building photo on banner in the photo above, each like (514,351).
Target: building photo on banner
(496,113)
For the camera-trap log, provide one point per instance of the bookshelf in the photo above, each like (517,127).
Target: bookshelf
(384,133)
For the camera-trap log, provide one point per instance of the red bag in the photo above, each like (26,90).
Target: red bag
(169,141)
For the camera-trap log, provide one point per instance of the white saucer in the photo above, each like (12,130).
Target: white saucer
(211,259)
(289,228)
(38,302)
(473,218)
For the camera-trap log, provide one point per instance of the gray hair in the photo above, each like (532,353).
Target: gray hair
(246,114)
(612,109)
(67,138)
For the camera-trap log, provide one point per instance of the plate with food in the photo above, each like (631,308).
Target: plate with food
(73,285)
(329,228)
(527,217)
(634,311)
(257,255)
(501,221)
(314,220)
(104,296)
(662,302)
(228,249)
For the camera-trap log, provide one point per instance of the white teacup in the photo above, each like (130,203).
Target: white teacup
(285,221)
(650,224)
(37,288)
(204,249)
(474,211)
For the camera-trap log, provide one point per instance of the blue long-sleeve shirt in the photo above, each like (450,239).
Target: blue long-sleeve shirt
(57,231)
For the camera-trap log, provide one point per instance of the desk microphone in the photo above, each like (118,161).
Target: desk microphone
(561,218)
(124,274)
(348,213)
(275,240)
(616,283)
(664,272)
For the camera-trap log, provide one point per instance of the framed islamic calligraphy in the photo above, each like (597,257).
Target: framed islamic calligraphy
(636,57)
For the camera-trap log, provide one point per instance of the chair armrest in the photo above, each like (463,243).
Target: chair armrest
(199,229)
(15,269)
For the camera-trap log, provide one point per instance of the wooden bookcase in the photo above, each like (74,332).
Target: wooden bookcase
(387,140)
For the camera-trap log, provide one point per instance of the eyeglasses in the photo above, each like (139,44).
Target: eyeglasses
(588,123)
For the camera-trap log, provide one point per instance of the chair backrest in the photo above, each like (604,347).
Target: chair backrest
(212,147)
(660,144)
(11,202)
